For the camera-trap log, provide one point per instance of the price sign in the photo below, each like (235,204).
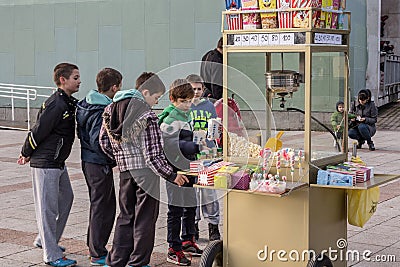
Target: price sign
(245,39)
(326,38)
(274,39)
(286,38)
(263,39)
(254,39)
(237,40)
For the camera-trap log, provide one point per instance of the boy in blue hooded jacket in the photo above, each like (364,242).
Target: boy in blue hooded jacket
(96,166)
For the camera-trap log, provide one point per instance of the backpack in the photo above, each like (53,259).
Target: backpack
(234,116)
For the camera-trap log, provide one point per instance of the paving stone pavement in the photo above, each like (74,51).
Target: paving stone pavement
(381,235)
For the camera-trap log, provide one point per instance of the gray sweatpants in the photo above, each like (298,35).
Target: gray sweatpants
(207,200)
(53,196)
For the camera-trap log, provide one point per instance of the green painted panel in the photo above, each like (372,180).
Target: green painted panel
(23,18)
(178,56)
(24,53)
(182,24)
(157,11)
(133,25)
(133,64)
(44,65)
(88,67)
(44,40)
(65,15)
(66,44)
(7,40)
(209,11)
(110,12)
(157,52)
(110,46)
(87,31)
(7,17)
(7,71)
(206,37)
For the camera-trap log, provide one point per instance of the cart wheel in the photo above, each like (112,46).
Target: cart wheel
(318,262)
(212,255)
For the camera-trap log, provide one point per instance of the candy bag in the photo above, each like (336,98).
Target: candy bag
(361,205)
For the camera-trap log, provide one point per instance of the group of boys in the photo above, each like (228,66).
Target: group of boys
(119,128)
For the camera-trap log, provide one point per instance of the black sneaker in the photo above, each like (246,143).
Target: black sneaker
(371,146)
(360,143)
(191,248)
(177,257)
(213,232)
(197,232)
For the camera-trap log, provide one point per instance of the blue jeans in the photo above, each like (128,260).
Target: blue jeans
(361,133)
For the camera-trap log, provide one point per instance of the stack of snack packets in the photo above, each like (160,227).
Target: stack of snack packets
(268,20)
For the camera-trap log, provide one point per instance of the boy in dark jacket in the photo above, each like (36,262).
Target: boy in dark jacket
(46,147)
(176,126)
(96,166)
(130,134)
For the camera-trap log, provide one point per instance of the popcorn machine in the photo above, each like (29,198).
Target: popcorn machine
(298,225)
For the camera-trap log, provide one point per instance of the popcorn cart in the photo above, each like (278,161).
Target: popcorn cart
(296,225)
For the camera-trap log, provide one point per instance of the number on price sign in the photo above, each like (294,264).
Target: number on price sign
(286,38)
(254,39)
(245,39)
(274,39)
(264,40)
(237,40)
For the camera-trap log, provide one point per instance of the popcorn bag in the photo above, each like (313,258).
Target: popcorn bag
(268,20)
(235,21)
(284,18)
(251,21)
(301,18)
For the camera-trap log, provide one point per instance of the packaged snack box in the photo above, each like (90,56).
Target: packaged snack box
(324,14)
(268,20)
(334,21)
(284,18)
(251,20)
(301,18)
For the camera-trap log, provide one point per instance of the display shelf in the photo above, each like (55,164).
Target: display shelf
(290,187)
(379,179)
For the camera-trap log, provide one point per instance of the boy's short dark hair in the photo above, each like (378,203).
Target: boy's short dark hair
(150,81)
(180,88)
(194,78)
(220,43)
(63,70)
(107,78)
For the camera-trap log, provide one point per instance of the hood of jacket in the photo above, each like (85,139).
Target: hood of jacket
(125,117)
(171,114)
(121,95)
(93,102)
(94,97)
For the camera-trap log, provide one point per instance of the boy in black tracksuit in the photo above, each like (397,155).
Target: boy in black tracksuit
(176,126)
(97,166)
(46,147)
